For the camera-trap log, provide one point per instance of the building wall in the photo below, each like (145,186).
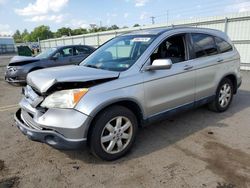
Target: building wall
(237,26)
(7,45)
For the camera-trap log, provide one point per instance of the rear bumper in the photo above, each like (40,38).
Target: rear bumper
(49,137)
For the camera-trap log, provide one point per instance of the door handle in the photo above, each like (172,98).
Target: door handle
(188,67)
(220,60)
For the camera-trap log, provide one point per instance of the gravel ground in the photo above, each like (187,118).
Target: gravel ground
(198,148)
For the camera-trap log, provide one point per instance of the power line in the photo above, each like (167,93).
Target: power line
(212,9)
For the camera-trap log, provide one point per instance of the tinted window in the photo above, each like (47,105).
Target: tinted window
(82,50)
(204,45)
(173,48)
(67,52)
(223,46)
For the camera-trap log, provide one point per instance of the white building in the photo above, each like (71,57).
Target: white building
(7,45)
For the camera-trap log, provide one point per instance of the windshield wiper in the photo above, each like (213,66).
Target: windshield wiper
(92,66)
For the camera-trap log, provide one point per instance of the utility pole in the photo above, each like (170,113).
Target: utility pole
(153,19)
(100,24)
(167,16)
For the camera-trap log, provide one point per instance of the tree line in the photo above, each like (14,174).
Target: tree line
(43,32)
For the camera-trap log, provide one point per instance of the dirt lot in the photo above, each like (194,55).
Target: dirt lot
(198,148)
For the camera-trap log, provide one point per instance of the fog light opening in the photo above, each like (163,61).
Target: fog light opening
(51,140)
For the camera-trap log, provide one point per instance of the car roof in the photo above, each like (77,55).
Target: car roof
(159,31)
(73,45)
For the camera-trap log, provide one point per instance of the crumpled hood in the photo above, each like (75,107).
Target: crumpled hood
(16,60)
(43,79)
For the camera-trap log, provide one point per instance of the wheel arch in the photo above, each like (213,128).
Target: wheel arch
(233,79)
(131,104)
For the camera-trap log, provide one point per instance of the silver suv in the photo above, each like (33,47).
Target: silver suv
(126,83)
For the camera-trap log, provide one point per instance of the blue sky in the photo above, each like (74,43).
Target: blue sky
(21,14)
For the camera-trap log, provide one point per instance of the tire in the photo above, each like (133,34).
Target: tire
(113,133)
(223,92)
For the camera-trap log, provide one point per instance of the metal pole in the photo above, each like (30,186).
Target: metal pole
(83,40)
(167,16)
(153,19)
(38,40)
(98,40)
(226,25)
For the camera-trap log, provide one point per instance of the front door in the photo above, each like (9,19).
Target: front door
(169,89)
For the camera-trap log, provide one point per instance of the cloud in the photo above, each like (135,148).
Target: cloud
(42,18)
(239,6)
(140,3)
(111,14)
(2,2)
(5,29)
(78,24)
(126,15)
(144,15)
(42,7)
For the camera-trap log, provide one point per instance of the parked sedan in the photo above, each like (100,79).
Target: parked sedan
(20,66)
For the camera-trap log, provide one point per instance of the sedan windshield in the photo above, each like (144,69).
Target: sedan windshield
(119,54)
(47,53)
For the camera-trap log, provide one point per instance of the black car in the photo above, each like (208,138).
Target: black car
(20,66)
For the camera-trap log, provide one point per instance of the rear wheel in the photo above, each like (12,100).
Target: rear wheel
(113,133)
(224,96)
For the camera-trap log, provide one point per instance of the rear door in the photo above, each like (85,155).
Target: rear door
(65,56)
(80,53)
(206,60)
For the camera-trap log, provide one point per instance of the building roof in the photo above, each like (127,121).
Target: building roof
(7,40)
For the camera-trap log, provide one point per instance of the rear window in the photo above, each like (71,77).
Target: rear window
(204,45)
(223,46)
(82,50)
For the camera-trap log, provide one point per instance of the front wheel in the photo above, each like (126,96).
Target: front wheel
(113,133)
(223,97)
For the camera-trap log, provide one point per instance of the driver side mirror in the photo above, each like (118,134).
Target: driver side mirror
(160,64)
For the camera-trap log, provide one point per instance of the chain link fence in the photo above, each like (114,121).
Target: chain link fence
(237,26)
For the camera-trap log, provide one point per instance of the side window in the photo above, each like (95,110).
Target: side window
(82,50)
(204,45)
(172,48)
(66,52)
(223,46)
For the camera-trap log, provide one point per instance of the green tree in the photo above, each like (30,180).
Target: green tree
(17,37)
(136,25)
(113,27)
(25,36)
(42,32)
(79,31)
(64,31)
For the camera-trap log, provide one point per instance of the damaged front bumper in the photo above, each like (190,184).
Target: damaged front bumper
(49,137)
(15,76)
(59,128)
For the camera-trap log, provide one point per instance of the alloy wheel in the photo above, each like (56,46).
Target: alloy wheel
(116,135)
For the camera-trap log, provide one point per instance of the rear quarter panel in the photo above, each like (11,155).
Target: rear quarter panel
(209,72)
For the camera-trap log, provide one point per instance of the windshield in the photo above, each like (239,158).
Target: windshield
(47,53)
(119,54)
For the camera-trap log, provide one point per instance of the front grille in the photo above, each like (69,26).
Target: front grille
(33,98)
(27,119)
